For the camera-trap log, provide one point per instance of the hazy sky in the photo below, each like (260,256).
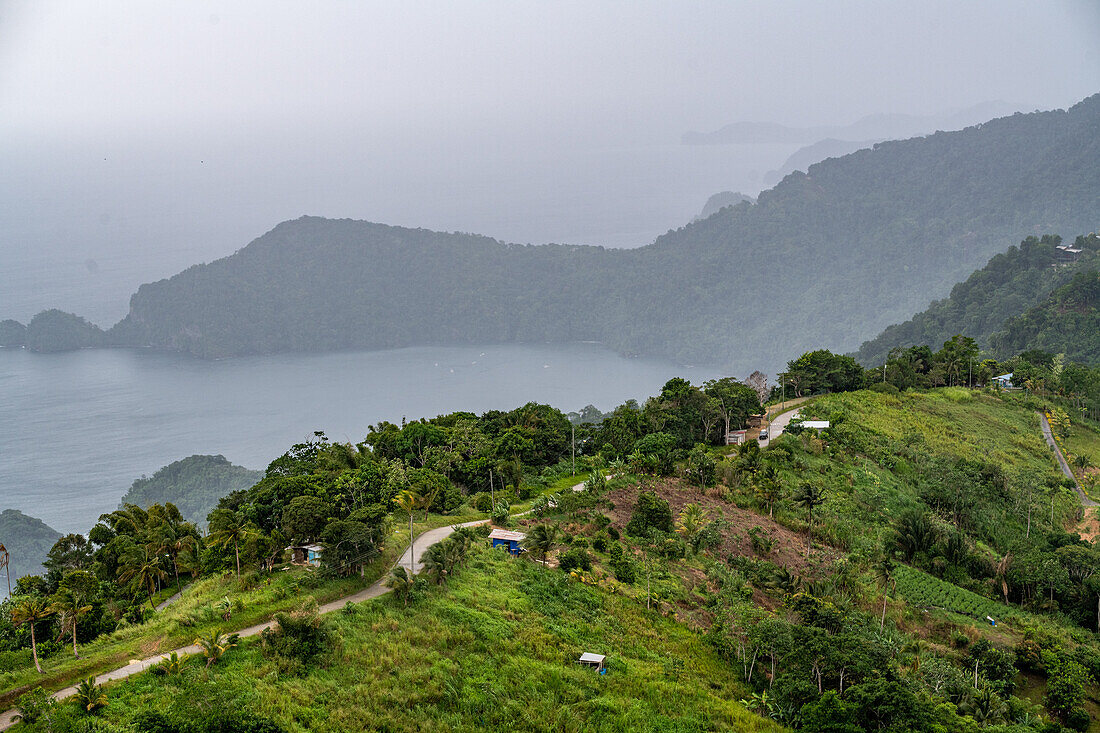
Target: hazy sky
(138,137)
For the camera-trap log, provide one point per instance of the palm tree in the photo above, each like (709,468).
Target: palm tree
(70,607)
(227,528)
(30,610)
(141,568)
(809,496)
(89,696)
(216,644)
(885,573)
(541,539)
(768,487)
(409,500)
(692,518)
(400,582)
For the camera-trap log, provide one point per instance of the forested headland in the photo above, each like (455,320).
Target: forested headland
(831,256)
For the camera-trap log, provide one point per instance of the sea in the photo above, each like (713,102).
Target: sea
(77,428)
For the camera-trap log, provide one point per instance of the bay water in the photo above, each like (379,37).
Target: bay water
(77,428)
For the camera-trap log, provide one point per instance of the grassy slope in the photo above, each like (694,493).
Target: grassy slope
(495,649)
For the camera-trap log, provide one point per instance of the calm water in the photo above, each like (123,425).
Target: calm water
(76,429)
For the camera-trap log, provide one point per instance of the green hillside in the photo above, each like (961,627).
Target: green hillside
(1067,322)
(27,540)
(495,648)
(1006,286)
(194,484)
(851,246)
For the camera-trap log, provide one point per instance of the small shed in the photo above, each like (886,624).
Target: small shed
(1004,381)
(507,539)
(306,554)
(592,660)
(736,437)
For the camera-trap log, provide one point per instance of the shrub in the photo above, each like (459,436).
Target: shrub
(651,512)
(599,544)
(483,502)
(301,636)
(575,558)
(34,704)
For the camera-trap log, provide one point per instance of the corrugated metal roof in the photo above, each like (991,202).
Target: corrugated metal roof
(593,658)
(503,534)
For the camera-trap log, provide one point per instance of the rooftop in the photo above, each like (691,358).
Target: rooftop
(503,534)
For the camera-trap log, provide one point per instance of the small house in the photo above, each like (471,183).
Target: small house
(507,539)
(595,661)
(306,555)
(1004,381)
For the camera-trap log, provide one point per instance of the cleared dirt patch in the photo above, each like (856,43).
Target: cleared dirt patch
(789,548)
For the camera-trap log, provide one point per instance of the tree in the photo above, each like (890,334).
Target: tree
(768,487)
(70,606)
(304,518)
(734,401)
(661,446)
(692,519)
(215,645)
(90,696)
(30,610)
(141,568)
(809,495)
(884,571)
(914,533)
(409,500)
(541,539)
(228,527)
(701,466)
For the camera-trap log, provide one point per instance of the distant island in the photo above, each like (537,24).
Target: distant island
(833,255)
(194,484)
(880,126)
(27,540)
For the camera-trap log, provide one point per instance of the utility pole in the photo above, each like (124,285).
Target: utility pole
(492,492)
(574,439)
(5,562)
(884,372)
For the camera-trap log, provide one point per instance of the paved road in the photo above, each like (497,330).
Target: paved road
(778,424)
(422,542)
(1085,500)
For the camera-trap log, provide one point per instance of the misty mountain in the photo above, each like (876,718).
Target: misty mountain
(872,127)
(826,258)
(719,201)
(803,158)
(1008,284)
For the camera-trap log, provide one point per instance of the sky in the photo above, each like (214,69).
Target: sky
(137,138)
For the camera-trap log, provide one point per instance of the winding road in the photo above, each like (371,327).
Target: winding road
(1085,500)
(422,542)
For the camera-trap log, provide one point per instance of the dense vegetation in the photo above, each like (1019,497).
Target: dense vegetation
(194,484)
(853,245)
(1067,322)
(978,307)
(27,540)
(835,580)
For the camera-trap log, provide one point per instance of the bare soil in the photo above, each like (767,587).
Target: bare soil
(789,549)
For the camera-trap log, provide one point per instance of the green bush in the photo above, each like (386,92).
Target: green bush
(575,558)
(651,512)
(301,636)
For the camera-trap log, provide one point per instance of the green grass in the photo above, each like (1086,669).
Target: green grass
(495,649)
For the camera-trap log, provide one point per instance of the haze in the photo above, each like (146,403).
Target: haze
(139,138)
